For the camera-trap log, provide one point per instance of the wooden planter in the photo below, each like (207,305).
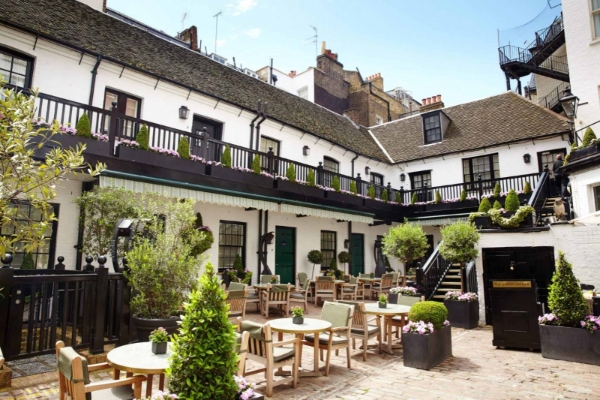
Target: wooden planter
(379,205)
(303,190)
(160,160)
(250,178)
(345,198)
(570,344)
(483,222)
(69,141)
(463,314)
(585,152)
(427,351)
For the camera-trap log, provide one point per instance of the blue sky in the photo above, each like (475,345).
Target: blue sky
(429,47)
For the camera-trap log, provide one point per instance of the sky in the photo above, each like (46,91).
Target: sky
(428,47)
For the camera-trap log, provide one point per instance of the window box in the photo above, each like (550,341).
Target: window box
(69,141)
(463,314)
(251,178)
(585,152)
(527,222)
(427,351)
(417,208)
(293,187)
(344,198)
(380,205)
(569,344)
(483,222)
(160,160)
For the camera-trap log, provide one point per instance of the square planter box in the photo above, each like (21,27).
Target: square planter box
(570,344)
(463,314)
(483,222)
(250,178)
(304,190)
(160,160)
(438,207)
(345,198)
(69,141)
(427,351)
(397,298)
(585,152)
(379,205)
(414,208)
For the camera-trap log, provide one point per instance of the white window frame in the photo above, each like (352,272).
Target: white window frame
(592,24)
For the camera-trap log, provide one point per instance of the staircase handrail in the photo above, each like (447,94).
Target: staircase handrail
(552,98)
(469,282)
(540,193)
(431,275)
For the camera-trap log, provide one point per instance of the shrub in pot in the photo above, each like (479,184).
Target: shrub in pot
(463,309)
(344,258)
(511,204)
(297,315)
(383,300)
(315,257)
(405,242)
(160,340)
(427,338)
(404,295)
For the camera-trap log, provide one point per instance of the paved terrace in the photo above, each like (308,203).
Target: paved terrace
(477,371)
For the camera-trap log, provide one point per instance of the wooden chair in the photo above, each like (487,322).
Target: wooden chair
(74,381)
(384,286)
(251,296)
(338,336)
(361,329)
(350,289)
(269,278)
(302,278)
(237,302)
(395,276)
(398,322)
(301,295)
(273,355)
(276,295)
(324,288)
(366,286)
(242,347)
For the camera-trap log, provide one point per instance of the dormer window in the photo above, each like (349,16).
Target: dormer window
(434,126)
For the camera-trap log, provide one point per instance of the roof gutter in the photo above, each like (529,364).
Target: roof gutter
(387,102)
(162,78)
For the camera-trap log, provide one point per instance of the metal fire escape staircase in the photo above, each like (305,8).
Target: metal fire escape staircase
(537,58)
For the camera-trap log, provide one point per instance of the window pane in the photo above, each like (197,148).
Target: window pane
(17,80)
(5,63)
(595,4)
(19,66)
(231,243)
(597,25)
(331,165)
(597,197)
(109,98)
(328,248)
(131,108)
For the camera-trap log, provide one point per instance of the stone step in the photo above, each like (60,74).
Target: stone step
(444,283)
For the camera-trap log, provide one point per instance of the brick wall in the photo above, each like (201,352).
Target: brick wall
(331,91)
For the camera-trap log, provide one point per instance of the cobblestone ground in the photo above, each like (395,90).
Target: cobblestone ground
(476,371)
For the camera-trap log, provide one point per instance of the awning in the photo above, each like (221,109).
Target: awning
(181,193)
(322,213)
(440,220)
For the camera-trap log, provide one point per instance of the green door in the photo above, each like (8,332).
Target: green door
(285,254)
(357,251)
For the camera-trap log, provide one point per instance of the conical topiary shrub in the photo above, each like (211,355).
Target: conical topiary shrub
(414,198)
(28,262)
(183,148)
(565,298)
(497,190)
(398,198)
(588,136)
(237,264)
(256,164)
(384,196)
(143,138)
(463,195)
(310,178)
(83,127)
(291,173)
(335,183)
(484,205)
(353,187)
(438,197)
(371,192)
(527,188)
(204,358)
(512,204)
(497,205)
(226,159)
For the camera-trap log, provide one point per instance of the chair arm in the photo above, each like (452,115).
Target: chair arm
(283,343)
(96,367)
(339,328)
(101,385)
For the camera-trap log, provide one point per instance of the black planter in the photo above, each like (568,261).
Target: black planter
(393,298)
(524,198)
(226,279)
(483,222)
(160,160)
(463,314)
(437,207)
(570,344)
(414,208)
(382,305)
(298,320)
(379,205)
(427,351)
(69,141)
(583,153)
(223,172)
(344,198)
(144,326)
(251,178)
(159,348)
(293,187)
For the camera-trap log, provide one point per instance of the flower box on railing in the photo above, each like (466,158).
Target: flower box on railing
(160,160)
(300,189)
(92,146)
(452,205)
(585,152)
(380,205)
(239,175)
(345,198)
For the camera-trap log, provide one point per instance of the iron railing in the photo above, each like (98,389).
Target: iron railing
(432,273)
(509,54)
(468,278)
(552,99)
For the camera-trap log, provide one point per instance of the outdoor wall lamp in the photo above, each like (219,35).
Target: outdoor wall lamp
(346,243)
(184,112)
(527,158)
(569,103)
(367,170)
(402,177)
(306,151)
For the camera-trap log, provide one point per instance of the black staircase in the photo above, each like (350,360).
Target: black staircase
(432,273)
(551,100)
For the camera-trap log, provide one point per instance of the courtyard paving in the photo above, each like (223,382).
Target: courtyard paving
(477,370)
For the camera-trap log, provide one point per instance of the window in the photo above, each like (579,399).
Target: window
(377,179)
(548,158)
(43,256)
(303,92)
(328,248)
(421,180)
(487,166)
(433,129)
(597,197)
(214,130)
(265,144)
(126,104)
(15,68)
(378,120)
(232,242)
(596,17)
(331,168)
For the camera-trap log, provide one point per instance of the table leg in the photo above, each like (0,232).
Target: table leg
(280,371)
(161,382)
(149,385)
(316,357)
(116,374)
(388,320)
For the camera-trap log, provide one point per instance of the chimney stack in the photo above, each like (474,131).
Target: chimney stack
(190,35)
(292,74)
(432,103)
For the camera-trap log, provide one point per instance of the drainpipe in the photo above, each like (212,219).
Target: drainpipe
(252,124)
(264,116)
(94,73)
(260,225)
(387,102)
(356,154)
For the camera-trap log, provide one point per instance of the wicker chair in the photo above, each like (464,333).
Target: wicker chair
(384,286)
(276,295)
(324,288)
(350,289)
(301,295)
(272,355)
(237,303)
(338,336)
(74,381)
(361,329)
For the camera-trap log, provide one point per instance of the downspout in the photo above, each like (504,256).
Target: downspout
(264,116)
(252,124)
(260,214)
(356,154)
(387,102)
(94,73)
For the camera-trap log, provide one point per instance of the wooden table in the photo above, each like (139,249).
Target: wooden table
(310,325)
(370,281)
(392,310)
(138,358)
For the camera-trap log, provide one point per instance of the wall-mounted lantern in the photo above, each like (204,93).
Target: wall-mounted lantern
(402,177)
(569,103)
(367,170)
(306,151)
(184,112)
(346,243)
(527,158)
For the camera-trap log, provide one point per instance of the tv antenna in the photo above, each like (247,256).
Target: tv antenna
(185,14)
(315,40)
(216,29)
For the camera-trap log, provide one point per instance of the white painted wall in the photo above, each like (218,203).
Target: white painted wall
(95,4)
(68,221)
(582,189)
(544,84)
(292,84)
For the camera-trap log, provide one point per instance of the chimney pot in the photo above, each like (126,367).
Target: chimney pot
(439,97)
(424,101)
(433,100)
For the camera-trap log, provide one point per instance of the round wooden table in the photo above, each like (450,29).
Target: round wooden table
(138,358)
(387,313)
(310,325)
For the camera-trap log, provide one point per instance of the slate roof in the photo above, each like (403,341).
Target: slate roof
(507,117)
(75,24)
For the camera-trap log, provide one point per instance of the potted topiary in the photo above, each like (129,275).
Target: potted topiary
(481,219)
(315,257)
(344,258)
(463,309)
(405,242)
(589,146)
(383,300)
(427,338)
(406,296)
(297,315)
(511,204)
(159,339)
(568,333)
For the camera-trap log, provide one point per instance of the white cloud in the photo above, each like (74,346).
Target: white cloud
(252,33)
(221,43)
(242,6)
